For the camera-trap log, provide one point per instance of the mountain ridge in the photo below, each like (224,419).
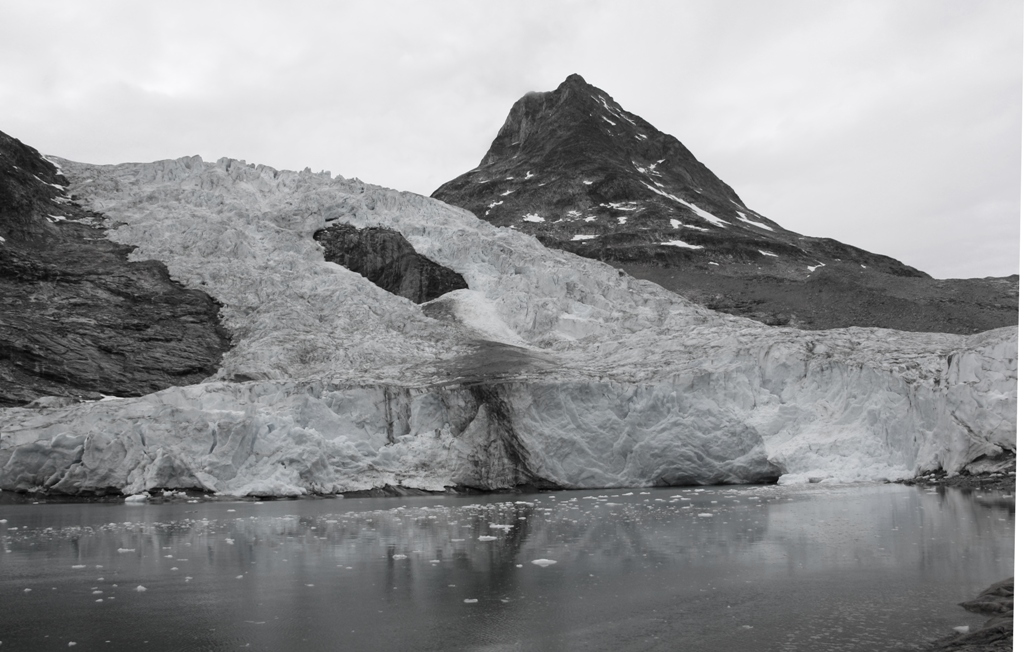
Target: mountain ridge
(582,174)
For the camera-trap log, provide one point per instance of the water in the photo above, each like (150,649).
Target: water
(747,568)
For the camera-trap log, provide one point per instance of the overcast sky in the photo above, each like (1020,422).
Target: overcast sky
(893,125)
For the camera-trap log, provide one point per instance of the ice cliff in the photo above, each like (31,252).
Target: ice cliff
(550,369)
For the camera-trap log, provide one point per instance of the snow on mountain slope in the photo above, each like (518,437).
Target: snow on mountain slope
(550,369)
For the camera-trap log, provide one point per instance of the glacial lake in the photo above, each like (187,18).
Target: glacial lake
(809,567)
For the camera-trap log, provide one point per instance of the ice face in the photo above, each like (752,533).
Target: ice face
(549,369)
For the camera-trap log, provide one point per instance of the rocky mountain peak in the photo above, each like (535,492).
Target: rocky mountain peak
(575,169)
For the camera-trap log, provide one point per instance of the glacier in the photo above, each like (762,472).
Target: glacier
(551,370)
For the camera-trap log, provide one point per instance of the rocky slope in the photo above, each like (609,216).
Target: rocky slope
(77,319)
(548,369)
(580,173)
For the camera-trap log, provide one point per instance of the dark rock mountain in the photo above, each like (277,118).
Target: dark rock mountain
(77,319)
(580,173)
(387,259)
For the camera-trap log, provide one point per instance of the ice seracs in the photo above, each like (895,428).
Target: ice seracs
(550,369)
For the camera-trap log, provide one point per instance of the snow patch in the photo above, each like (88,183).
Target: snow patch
(743,218)
(580,236)
(532,217)
(700,212)
(675,223)
(681,244)
(767,253)
(811,268)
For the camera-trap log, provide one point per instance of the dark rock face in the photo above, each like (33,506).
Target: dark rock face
(76,318)
(996,634)
(387,259)
(582,174)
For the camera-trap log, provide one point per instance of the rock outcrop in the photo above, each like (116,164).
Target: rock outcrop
(388,260)
(77,319)
(996,634)
(580,173)
(549,369)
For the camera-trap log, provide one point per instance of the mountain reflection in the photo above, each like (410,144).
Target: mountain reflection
(455,572)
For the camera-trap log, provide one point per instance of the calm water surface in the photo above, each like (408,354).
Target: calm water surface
(742,568)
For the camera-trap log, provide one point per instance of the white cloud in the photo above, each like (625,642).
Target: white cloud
(891,126)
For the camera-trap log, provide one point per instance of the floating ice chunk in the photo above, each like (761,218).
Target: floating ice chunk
(471,600)
(485,537)
(705,515)
(28,590)
(126,550)
(498,526)
(78,566)
(532,217)
(399,556)
(543,562)
(229,541)
(140,588)
(580,236)
(962,629)
(681,244)
(136,498)
(587,183)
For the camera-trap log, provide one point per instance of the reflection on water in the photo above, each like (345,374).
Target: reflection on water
(766,568)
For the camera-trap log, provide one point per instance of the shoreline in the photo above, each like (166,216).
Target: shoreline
(996,635)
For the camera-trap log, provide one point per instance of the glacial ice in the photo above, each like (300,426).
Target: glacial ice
(550,369)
